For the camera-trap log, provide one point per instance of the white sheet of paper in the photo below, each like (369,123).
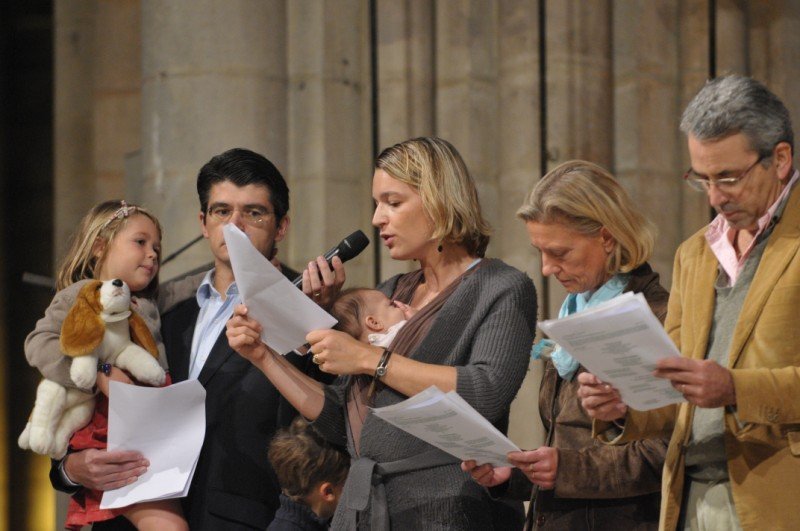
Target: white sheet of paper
(620,341)
(167,425)
(448,422)
(285,313)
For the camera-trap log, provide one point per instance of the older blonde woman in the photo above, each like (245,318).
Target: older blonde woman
(472,332)
(596,244)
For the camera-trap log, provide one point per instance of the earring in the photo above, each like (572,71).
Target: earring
(440,248)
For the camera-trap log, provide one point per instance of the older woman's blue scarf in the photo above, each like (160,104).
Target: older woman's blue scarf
(565,364)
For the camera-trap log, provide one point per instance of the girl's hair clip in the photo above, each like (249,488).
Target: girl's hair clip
(122,212)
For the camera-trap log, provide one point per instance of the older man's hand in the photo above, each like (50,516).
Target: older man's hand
(600,400)
(704,383)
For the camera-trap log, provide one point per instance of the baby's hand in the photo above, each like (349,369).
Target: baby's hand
(407,310)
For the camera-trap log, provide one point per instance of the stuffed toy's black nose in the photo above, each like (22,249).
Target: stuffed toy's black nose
(116,282)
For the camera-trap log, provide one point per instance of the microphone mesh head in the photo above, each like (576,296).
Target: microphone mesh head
(353,245)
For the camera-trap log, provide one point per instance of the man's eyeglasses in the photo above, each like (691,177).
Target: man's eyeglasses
(726,184)
(253,216)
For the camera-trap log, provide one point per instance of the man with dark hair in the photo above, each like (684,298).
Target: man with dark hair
(733,458)
(234,487)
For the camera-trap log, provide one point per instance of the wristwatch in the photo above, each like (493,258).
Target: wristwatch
(383,364)
(380,371)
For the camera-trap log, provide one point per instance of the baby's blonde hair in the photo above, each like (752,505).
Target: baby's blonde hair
(103,222)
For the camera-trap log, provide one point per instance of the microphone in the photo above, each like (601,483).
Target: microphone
(348,248)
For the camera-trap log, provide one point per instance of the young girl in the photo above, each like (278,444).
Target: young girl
(114,240)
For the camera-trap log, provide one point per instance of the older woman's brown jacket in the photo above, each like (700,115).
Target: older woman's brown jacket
(597,486)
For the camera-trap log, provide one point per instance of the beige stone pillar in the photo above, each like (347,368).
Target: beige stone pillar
(330,154)
(97,106)
(731,36)
(73,179)
(518,162)
(213,78)
(579,91)
(405,36)
(116,94)
(773,50)
(694,71)
(579,81)
(646,117)
(466,90)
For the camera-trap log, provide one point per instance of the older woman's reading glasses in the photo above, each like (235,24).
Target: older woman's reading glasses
(252,215)
(725,184)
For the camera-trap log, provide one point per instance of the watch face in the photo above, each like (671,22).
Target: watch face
(380,371)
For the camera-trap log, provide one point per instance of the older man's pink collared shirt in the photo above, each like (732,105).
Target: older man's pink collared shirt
(720,235)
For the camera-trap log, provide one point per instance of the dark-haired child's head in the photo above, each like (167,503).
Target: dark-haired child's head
(310,470)
(364,311)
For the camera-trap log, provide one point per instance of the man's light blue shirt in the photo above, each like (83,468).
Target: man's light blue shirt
(214,313)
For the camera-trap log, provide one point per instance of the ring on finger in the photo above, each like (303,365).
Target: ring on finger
(315,359)
(316,294)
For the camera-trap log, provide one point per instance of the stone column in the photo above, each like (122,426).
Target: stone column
(579,81)
(773,50)
(518,162)
(646,117)
(731,36)
(116,94)
(467,92)
(519,136)
(330,154)
(73,176)
(405,36)
(694,71)
(213,78)
(579,91)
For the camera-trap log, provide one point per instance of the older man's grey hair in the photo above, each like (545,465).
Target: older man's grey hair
(736,104)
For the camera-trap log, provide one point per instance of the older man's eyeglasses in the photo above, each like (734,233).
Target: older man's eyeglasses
(252,215)
(725,184)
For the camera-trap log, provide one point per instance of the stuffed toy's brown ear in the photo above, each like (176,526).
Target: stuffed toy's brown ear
(83,329)
(141,335)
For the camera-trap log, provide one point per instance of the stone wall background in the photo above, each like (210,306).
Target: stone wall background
(140,93)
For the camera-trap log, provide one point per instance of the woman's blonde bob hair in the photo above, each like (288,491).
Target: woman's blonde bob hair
(100,225)
(434,168)
(585,197)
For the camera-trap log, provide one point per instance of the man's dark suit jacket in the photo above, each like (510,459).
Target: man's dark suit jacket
(234,486)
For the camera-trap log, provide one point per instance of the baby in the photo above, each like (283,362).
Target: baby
(369,315)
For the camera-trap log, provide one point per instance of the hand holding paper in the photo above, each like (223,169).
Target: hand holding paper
(284,312)
(165,424)
(448,422)
(620,342)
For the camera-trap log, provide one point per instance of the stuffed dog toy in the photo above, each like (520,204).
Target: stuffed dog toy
(100,327)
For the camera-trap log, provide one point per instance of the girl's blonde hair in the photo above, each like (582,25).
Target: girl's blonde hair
(434,168)
(102,223)
(585,197)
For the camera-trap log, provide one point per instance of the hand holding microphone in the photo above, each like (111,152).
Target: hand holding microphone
(323,278)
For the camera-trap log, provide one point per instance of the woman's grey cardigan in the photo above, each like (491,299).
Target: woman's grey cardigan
(485,330)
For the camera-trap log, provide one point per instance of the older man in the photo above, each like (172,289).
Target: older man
(734,457)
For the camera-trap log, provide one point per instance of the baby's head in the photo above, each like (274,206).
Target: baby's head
(363,311)
(310,470)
